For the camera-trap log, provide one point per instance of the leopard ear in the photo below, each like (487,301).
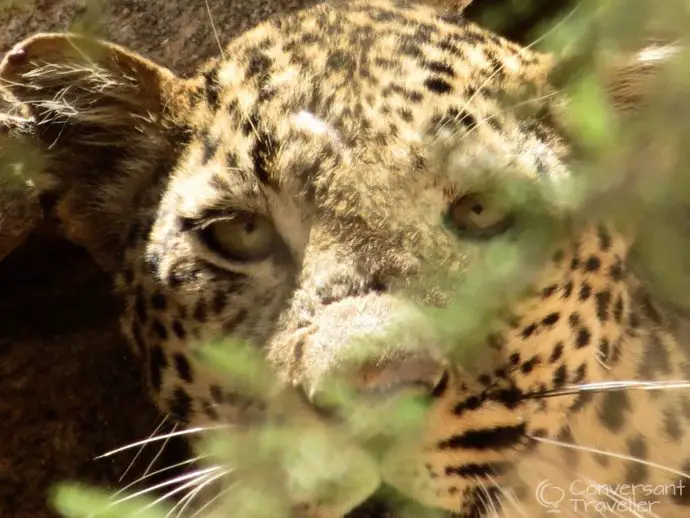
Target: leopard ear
(105,120)
(629,79)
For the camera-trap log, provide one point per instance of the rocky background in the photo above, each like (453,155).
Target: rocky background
(69,390)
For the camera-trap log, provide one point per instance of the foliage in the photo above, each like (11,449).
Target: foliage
(630,170)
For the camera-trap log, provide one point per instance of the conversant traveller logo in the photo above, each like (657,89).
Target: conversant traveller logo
(582,497)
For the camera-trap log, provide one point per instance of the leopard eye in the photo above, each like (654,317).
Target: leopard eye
(244,237)
(475,216)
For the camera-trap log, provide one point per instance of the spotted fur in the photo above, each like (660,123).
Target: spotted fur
(352,127)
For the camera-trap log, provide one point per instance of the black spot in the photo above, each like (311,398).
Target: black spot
(549,290)
(158,300)
(672,425)
(557,352)
(499,437)
(471,403)
(157,363)
(438,85)
(263,154)
(451,118)
(605,241)
(592,264)
(250,124)
(184,369)
(574,319)
(583,399)
(585,291)
(441,386)
(180,405)
(560,376)
(529,365)
(140,306)
(259,65)
(583,338)
(219,183)
(616,271)
(574,263)
(580,374)
(567,289)
(210,146)
(511,398)
(634,320)
(405,114)
(219,301)
(551,319)
(340,60)
(637,471)
(212,88)
(159,329)
(514,359)
(414,96)
(438,67)
(179,330)
(529,330)
(473,471)
(603,299)
(614,408)
(485,379)
(409,48)
(200,311)
(618,310)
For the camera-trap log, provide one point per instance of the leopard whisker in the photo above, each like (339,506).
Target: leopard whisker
(620,456)
(508,495)
(181,478)
(189,497)
(187,431)
(141,448)
(160,451)
(192,483)
(559,467)
(489,504)
(158,472)
(215,498)
(611,386)
(215,31)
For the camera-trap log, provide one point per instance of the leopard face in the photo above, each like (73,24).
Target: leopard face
(325,182)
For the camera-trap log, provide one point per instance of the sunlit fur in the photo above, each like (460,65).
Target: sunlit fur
(353,128)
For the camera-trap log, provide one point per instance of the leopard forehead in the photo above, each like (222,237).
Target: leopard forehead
(303,101)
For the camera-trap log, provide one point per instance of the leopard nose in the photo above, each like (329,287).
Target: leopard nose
(373,345)
(418,373)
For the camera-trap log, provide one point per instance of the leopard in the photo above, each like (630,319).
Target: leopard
(326,181)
